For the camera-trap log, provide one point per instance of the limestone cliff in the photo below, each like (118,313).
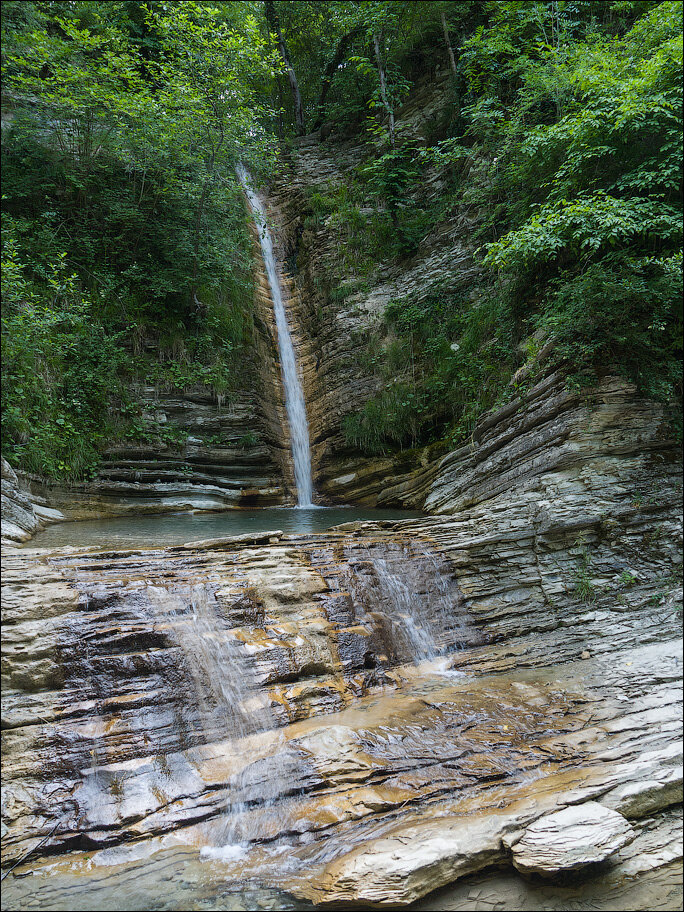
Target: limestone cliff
(23,514)
(331,331)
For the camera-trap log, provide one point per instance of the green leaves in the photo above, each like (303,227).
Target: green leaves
(585,196)
(583,227)
(127,228)
(570,134)
(625,312)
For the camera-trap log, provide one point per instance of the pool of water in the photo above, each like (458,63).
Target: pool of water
(161,530)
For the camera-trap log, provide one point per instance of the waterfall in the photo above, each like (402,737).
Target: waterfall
(294,395)
(229,706)
(406,590)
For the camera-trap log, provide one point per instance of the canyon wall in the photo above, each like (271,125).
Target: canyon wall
(233,451)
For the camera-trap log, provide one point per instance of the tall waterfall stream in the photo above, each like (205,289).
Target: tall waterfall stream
(292,387)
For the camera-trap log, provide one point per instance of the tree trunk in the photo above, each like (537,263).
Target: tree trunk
(198,227)
(281,124)
(383,88)
(274,22)
(447,41)
(330,72)
(452,62)
(198,220)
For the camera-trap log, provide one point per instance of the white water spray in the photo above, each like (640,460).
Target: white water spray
(294,396)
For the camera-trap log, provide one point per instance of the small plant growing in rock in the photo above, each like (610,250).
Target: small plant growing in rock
(249,439)
(116,786)
(583,587)
(627,578)
(163,764)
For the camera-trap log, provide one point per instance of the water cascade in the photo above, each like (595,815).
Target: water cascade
(294,395)
(406,592)
(229,705)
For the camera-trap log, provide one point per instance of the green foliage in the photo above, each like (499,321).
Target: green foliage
(388,179)
(583,587)
(440,362)
(569,132)
(624,312)
(627,578)
(250,439)
(127,248)
(592,191)
(59,371)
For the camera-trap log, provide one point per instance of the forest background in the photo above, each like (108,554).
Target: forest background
(126,253)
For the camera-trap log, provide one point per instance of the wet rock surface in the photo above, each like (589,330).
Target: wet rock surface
(571,839)
(266,692)
(23,514)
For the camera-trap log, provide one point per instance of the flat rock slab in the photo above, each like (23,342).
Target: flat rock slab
(571,839)
(230,541)
(409,862)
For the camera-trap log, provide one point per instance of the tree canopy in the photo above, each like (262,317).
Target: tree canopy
(126,254)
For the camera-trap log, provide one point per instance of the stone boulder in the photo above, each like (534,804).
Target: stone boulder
(22,515)
(571,839)
(19,520)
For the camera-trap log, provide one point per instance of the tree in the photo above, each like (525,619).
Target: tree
(341,52)
(274,23)
(125,122)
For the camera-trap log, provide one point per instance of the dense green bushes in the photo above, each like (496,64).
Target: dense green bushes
(59,369)
(440,362)
(567,150)
(126,251)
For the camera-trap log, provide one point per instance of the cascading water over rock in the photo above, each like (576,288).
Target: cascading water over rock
(294,395)
(229,706)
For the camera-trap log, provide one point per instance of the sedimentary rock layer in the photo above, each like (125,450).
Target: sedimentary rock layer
(115,732)
(23,514)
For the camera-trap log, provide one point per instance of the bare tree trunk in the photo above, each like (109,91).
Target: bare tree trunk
(556,22)
(330,70)
(274,22)
(200,213)
(281,125)
(383,88)
(447,41)
(198,227)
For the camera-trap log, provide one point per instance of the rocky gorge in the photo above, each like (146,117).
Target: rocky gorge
(483,701)
(274,691)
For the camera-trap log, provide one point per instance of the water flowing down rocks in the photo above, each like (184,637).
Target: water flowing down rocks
(477,706)
(294,396)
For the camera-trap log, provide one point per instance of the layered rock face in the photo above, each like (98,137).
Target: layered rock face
(237,453)
(393,706)
(336,295)
(23,514)
(236,468)
(330,333)
(233,451)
